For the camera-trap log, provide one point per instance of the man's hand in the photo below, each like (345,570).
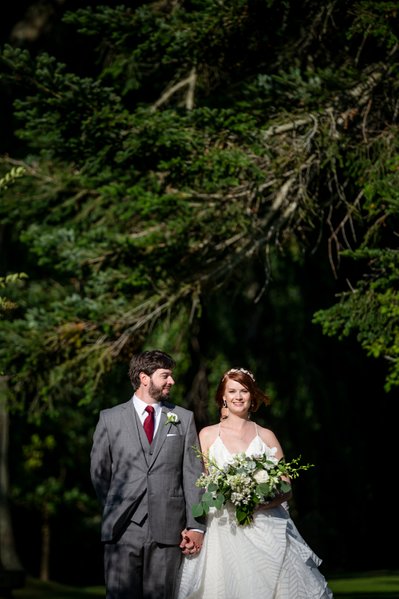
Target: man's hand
(274,502)
(191,542)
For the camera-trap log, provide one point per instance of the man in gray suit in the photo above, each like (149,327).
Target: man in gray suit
(144,468)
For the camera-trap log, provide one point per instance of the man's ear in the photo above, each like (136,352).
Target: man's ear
(144,379)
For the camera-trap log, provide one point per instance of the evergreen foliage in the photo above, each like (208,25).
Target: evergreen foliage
(199,141)
(208,133)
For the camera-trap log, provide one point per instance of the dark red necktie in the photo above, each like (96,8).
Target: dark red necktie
(149,423)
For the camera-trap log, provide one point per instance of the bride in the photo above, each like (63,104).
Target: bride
(267,559)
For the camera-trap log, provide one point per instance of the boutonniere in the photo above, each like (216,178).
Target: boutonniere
(172,418)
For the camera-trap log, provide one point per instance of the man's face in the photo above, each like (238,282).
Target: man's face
(161,382)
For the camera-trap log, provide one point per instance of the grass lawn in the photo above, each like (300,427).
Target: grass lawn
(35,589)
(367,585)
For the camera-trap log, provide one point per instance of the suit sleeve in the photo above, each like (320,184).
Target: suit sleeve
(100,460)
(192,469)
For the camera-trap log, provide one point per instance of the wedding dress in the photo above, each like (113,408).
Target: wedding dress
(266,560)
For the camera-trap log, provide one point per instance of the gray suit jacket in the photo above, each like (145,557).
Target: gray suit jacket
(126,471)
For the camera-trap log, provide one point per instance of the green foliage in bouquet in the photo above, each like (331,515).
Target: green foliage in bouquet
(246,482)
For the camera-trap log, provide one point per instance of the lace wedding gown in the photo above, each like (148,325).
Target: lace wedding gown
(266,560)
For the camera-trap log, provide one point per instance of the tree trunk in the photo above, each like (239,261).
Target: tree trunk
(45,558)
(11,572)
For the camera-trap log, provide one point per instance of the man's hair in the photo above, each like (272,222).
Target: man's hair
(148,362)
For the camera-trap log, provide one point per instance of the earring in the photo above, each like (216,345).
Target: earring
(224,411)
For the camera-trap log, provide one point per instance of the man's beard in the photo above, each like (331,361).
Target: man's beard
(158,393)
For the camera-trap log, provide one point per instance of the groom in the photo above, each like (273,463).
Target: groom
(144,468)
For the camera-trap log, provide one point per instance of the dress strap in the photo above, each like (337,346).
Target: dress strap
(219,429)
(256,429)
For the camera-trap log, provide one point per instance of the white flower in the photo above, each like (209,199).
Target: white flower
(239,482)
(270,453)
(172,418)
(261,476)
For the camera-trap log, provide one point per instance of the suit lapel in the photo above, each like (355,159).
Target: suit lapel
(129,418)
(160,436)
(163,430)
(137,434)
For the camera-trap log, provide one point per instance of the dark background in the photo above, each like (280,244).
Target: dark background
(345,506)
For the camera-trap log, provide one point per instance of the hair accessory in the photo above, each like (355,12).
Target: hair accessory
(251,376)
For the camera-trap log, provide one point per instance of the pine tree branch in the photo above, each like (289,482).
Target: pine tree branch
(188,82)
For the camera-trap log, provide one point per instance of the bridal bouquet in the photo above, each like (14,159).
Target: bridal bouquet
(245,482)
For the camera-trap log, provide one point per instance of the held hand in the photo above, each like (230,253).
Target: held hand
(191,542)
(275,502)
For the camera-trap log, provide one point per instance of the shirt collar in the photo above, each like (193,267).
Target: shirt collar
(141,405)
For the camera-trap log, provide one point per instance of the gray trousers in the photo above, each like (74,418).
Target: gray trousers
(138,568)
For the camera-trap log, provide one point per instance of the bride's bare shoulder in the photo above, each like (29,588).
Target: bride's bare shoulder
(208,434)
(267,436)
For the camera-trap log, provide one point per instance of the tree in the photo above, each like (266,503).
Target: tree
(11,572)
(205,139)
(369,308)
(132,170)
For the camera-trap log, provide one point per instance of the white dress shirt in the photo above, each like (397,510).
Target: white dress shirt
(140,406)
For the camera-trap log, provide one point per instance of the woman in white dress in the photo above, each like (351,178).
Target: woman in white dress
(267,559)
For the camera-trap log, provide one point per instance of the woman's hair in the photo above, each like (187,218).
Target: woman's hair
(148,362)
(247,379)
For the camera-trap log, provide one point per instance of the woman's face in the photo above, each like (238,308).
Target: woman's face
(237,397)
